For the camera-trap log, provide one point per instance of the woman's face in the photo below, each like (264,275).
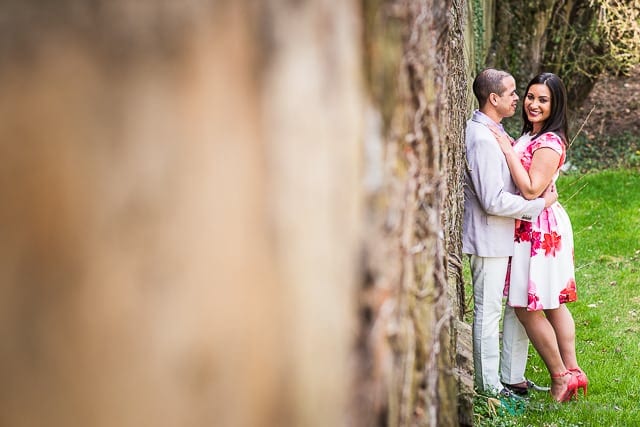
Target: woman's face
(537,105)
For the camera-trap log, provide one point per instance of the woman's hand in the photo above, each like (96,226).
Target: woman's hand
(504,140)
(550,195)
(533,181)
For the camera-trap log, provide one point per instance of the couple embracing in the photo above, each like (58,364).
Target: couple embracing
(519,237)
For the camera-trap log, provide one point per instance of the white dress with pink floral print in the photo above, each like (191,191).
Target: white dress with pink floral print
(542,269)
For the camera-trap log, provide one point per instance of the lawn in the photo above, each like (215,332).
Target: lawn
(605,212)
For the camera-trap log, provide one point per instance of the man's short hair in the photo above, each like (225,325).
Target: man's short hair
(487,82)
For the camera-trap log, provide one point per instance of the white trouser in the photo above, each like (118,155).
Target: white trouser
(488,276)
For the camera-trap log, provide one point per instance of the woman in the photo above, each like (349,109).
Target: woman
(541,278)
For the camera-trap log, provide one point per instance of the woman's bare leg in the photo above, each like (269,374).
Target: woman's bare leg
(543,337)
(562,322)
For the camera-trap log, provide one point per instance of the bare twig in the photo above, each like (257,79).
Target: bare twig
(577,181)
(581,126)
(576,192)
(580,267)
(589,227)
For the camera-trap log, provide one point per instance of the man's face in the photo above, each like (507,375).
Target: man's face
(507,102)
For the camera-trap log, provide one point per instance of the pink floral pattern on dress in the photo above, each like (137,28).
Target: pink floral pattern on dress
(536,243)
(541,271)
(525,233)
(569,293)
(547,221)
(533,302)
(546,140)
(507,280)
(552,243)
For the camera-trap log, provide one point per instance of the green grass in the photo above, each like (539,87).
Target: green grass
(605,213)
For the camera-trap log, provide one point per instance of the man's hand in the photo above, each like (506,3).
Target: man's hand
(550,195)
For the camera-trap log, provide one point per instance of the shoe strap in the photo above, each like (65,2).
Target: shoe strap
(560,375)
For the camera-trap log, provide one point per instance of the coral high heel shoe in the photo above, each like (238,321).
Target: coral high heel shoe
(572,387)
(583,381)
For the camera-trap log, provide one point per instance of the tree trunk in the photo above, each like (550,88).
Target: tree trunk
(459,75)
(417,76)
(180,215)
(184,223)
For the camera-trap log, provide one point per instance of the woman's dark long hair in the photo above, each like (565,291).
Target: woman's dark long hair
(557,121)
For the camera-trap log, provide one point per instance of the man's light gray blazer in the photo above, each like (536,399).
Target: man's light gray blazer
(490,205)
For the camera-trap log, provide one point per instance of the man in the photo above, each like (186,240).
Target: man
(490,209)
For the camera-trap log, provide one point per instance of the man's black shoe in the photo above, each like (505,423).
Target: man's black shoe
(524,390)
(506,393)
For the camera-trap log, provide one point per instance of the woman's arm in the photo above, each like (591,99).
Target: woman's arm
(543,166)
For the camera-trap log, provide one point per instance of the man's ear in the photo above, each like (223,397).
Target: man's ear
(493,98)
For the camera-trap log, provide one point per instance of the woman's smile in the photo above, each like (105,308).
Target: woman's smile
(537,104)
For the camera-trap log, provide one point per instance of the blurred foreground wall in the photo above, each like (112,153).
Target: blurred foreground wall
(414,368)
(179,204)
